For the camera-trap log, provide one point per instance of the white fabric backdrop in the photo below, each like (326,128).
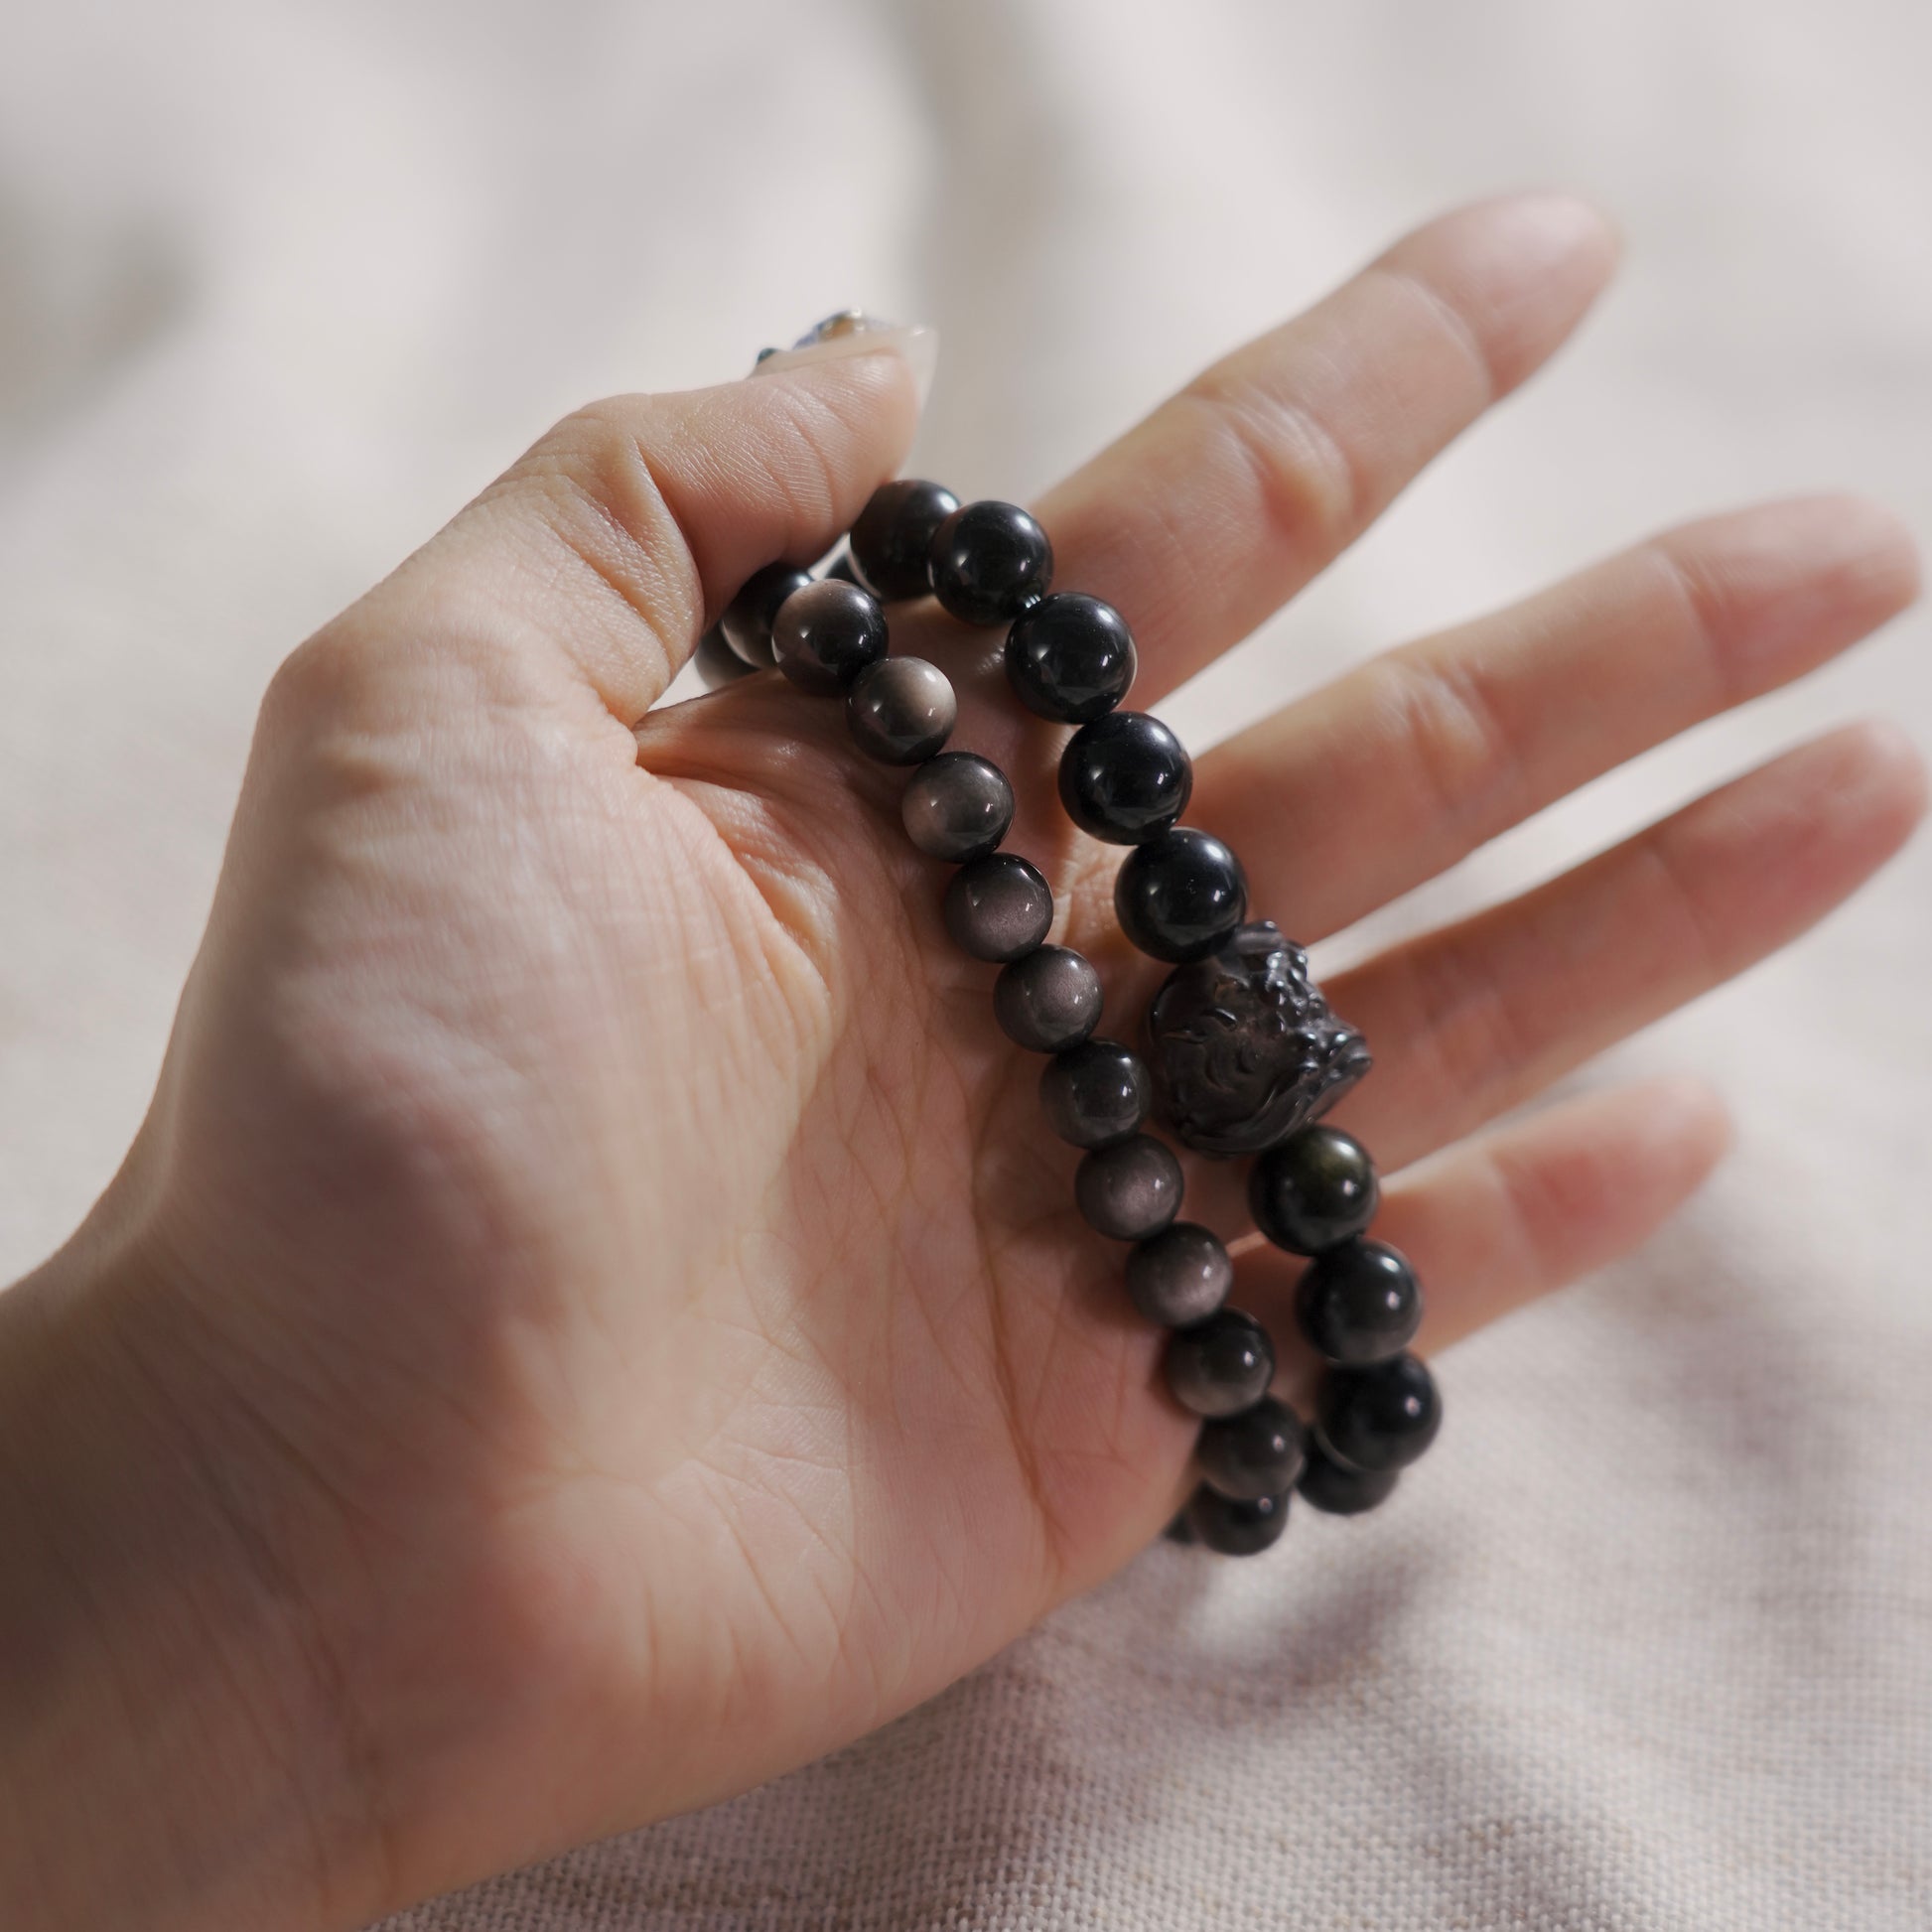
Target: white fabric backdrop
(282,281)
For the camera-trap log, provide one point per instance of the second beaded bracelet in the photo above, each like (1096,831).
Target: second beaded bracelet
(1242,1052)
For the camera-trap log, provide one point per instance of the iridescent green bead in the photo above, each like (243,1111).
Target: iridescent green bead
(1313,1190)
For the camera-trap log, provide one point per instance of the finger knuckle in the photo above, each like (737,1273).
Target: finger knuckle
(591,487)
(313,682)
(1479,1045)
(1456,738)
(1306,487)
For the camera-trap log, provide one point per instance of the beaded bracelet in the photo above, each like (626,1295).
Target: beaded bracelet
(1243,1052)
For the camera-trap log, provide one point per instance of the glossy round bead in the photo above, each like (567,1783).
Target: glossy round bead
(1071,658)
(1258,1453)
(718,664)
(1232,1528)
(900,709)
(1221,1366)
(1314,1191)
(1130,1191)
(1125,778)
(957,806)
(1358,1303)
(1048,1000)
(747,622)
(827,632)
(1379,1418)
(1337,1489)
(989,562)
(892,538)
(1180,895)
(1095,1094)
(1180,1277)
(998,907)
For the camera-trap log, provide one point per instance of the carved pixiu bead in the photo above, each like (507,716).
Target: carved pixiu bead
(1243,1046)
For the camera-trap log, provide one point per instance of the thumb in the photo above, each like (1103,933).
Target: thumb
(604,552)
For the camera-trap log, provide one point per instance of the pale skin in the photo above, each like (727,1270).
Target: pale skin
(593,1317)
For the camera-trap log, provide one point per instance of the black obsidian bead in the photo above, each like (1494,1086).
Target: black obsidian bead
(747,619)
(1179,1530)
(957,806)
(1358,1303)
(1379,1418)
(1180,895)
(1258,1453)
(1095,1094)
(999,907)
(900,709)
(718,664)
(989,562)
(892,538)
(827,632)
(1315,1190)
(1337,1490)
(1180,1276)
(1232,1527)
(1130,1191)
(1048,1000)
(1221,1366)
(1125,778)
(1071,658)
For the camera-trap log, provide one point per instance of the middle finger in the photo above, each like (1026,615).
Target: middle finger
(1351,796)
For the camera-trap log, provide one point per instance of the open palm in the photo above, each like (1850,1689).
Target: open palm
(588,1209)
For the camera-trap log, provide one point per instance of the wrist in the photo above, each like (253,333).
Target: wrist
(174,1746)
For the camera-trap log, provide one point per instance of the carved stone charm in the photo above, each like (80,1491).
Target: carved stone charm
(1243,1046)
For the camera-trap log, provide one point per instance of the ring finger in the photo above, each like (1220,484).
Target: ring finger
(1478,1017)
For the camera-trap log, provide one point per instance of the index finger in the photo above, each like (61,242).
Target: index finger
(1205,517)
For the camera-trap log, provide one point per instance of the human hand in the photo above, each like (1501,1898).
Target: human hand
(595,1288)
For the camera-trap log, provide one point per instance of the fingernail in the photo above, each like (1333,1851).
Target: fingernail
(916,344)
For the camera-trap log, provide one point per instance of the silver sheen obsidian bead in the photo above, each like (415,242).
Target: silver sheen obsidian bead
(998,907)
(1048,1000)
(900,709)
(1243,1047)
(1219,1366)
(1180,1276)
(826,632)
(1095,1094)
(1236,1527)
(957,806)
(1130,1191)
(1259,1453)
